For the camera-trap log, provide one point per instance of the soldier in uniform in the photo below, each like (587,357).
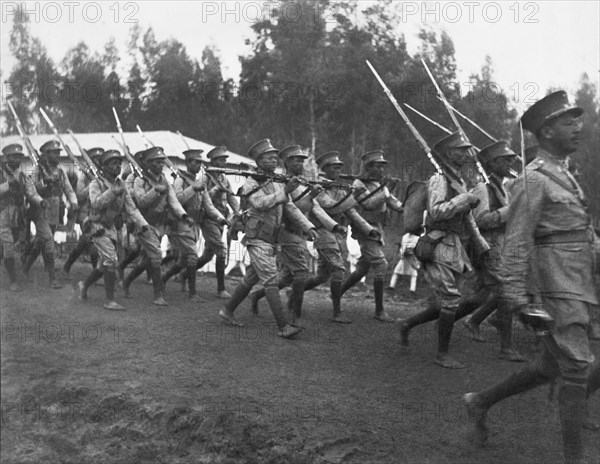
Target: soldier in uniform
(490,216)
(212,225)
(340,205)
(109,199)
(51,183)
(158,204)
(267,203)
(548,254)
(15,188)
(373,203)
(194,197)
(83,198)
(446,210)
(294,251)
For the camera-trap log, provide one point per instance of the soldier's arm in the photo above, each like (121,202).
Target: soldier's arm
(100,199)
(174,203)
(262,201)
(437,207)
(291,212)
(4,188)
(485,218)
(527,202)
(132,212)
(324,218)
(392,201)
(142,198)
(67,188)
(184,194)
(209,208)
(232,200)
(31,192)
(359,222)
(368,202)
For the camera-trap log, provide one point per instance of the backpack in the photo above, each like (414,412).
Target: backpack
(415,204)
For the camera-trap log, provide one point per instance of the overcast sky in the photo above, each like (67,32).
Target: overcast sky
(533,45)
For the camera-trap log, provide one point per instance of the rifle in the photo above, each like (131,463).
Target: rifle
(137,170)
(174,171)
(480,244)
(93,168)
(442,97)
(83,167)
(31,151)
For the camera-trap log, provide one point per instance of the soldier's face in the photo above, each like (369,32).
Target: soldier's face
(333,171)
(376,170)
(294,165)
(193,166)
(52,156)
(459,156)
(565,133)
(113,167)
(219,162)
(268,162)
(156,165)
(12,165)
(501,166)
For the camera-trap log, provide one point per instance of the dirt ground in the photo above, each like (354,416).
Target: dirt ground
(173,385)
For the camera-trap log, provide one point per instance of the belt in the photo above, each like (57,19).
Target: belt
(571,236)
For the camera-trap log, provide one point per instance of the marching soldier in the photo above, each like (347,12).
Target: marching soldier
(339,204)
(51,183)
(83,199)
(490,216)
(158,204)
(267,203)
(294,251)
(109,199)
(446,210)
(15,188)
(195,199)
(548,222)
(212,224)
(373,203)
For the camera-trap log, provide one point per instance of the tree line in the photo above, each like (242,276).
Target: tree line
(305,81)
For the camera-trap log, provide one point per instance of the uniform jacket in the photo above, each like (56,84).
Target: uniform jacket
(445,221)
(542,209)
(159,209)
(51,188)
(13,196)
(106,207)
(221,199)
(266,204)
(490,213)
(198,205)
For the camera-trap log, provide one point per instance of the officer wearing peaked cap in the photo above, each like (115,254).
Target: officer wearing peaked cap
(294,251)
(447,210)
(340,205)
(267,203)
(374,199)
(548,219)
(490,217)
(15,188)
(109,201)
(51,183)
(212,225)
(83,199)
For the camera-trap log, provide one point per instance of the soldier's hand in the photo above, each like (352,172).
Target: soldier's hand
(118,189)
(161,188)
(225,222)
(198,186)
(312,235)
(358,191)
(292,184)
(374,234)
(340,229)
(316,190)
(187,220)
(43,204)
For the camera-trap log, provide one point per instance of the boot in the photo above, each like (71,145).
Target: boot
(336,299)
(296,298)
(157,285)
(110,278)
(85,284)
(446,324)
(431,313)
(220,271)
(380,314)
(572,408)
(240,292)
(354,278)
(9,264)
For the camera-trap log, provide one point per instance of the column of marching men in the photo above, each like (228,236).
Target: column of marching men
(541,213)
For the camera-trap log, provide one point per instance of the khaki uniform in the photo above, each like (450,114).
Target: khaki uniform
(12,209)
(106,209)
(267,206)
(164,213)
(372,206)
(549,253)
